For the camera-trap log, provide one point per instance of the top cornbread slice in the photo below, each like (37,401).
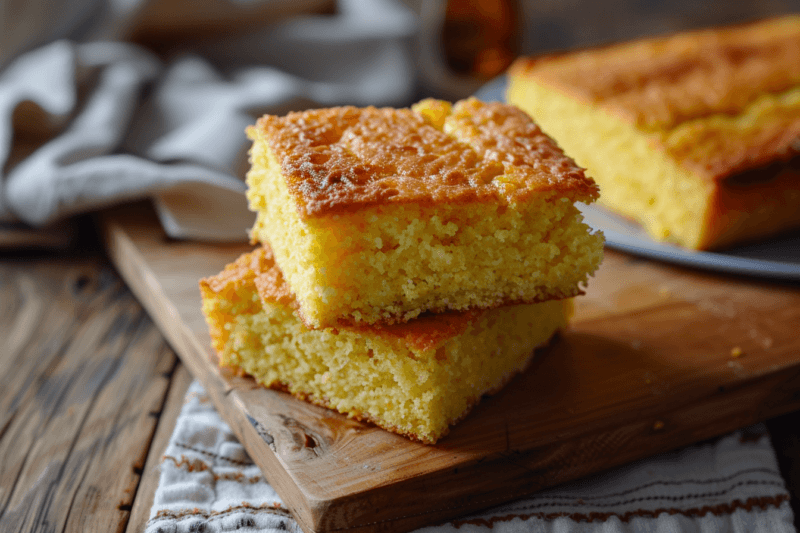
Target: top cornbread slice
(695,135)
(377,215)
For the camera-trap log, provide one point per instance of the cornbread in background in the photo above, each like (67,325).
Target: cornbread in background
(696,136)
(379,215)
(415,379)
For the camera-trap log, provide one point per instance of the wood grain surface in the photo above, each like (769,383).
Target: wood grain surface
(657,357)
(85,376)
(16,235)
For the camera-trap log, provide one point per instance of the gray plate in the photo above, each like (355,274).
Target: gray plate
(774,258)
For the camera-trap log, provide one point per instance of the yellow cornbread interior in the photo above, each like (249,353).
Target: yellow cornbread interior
(636,180)
(393,262)
(374,377)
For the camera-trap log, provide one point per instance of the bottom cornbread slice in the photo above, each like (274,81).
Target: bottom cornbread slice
(415,379)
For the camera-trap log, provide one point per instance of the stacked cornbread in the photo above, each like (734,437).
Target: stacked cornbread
(410,260)
(696,136)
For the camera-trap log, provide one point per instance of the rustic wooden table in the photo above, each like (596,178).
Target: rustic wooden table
(90,392)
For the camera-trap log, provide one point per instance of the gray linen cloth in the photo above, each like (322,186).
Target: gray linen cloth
(117,123)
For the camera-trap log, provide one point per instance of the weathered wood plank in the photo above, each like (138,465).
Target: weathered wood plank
(85,377)
(140,513)
(649,364)
(15,236)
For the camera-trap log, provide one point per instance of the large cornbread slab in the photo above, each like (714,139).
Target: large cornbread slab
(415,379)
(696,136)
(379,215)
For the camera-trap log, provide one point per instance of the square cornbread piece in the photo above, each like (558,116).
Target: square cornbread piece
(379,215)
(696,136)
(415,379)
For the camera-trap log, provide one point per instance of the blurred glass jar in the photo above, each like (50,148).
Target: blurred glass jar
(465,43)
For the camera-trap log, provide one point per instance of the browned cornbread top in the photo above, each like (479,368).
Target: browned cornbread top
(345,158)
(258,267)
(687,90)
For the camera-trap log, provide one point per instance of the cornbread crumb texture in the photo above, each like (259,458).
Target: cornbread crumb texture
(345,158)
(393,261)
(415,379)
(693,135)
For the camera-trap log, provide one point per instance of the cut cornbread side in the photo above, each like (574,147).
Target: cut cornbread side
(415,379)
(380,215)
(695,136)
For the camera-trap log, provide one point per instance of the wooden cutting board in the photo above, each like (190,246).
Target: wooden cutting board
(657,357)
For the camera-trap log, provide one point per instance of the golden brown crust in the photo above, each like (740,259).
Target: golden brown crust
(346,158)
(257,267)
(754,205)
(433,328)
(426,331)
(684,90)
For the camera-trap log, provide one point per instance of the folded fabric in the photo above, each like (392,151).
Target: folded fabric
(107,122)
(731,484)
